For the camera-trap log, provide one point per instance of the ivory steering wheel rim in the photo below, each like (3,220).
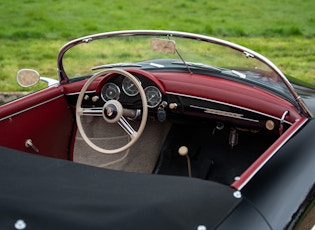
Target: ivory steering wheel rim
(116,107)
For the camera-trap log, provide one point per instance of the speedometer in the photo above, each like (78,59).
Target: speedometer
(153,95)
(110,91)
(129,87)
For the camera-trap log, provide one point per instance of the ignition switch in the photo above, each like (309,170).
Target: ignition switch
(161,114)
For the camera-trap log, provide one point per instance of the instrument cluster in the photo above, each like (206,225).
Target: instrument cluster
(122,87)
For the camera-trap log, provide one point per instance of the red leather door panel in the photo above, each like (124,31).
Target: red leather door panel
(43,117)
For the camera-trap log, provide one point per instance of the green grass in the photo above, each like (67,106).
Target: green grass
(32,31)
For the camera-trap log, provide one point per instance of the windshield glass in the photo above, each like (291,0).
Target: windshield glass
(171,51)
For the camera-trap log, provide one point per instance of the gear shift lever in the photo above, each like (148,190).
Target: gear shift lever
(183,151)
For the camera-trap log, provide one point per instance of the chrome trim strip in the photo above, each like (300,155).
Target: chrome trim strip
(77,93)
(223,113)
(32,107)
(228,104)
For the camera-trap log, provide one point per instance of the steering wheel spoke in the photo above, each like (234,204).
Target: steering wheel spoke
(96,112)
(124,124)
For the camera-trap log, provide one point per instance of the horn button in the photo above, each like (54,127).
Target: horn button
(112,111)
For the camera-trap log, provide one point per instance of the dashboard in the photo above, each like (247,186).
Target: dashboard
(174,94)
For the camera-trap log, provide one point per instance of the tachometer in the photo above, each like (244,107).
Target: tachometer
(129,87)
(154,96)
(110,91)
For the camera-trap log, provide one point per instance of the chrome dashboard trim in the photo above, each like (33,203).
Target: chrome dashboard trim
(223,113)
(227,104)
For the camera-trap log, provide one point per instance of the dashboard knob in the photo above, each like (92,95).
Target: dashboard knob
(173,106)
(95,98)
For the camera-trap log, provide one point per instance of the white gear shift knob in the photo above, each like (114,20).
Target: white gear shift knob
(183,151)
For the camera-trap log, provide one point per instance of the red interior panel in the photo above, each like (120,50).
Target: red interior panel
(44,117)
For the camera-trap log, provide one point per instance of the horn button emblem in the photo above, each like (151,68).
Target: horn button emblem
(112,111)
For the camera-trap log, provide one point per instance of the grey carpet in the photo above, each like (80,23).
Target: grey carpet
(141,157)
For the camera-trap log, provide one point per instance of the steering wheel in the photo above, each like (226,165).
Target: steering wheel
(112,112)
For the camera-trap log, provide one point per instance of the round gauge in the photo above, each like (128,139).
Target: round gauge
(110,91)
(154,96)
(129,87)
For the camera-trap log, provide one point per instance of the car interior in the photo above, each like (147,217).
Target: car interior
(184,135)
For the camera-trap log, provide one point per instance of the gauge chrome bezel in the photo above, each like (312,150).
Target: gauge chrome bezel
(126,86)
(157,92)
(104,91)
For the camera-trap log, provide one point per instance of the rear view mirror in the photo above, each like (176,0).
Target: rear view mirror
(163,45)
(27,77)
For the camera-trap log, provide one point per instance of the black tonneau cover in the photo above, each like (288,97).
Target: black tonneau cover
(46,193)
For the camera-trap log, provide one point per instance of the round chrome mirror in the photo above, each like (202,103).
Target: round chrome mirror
(27,77)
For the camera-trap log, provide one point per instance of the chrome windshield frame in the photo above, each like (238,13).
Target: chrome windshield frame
(63,78)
